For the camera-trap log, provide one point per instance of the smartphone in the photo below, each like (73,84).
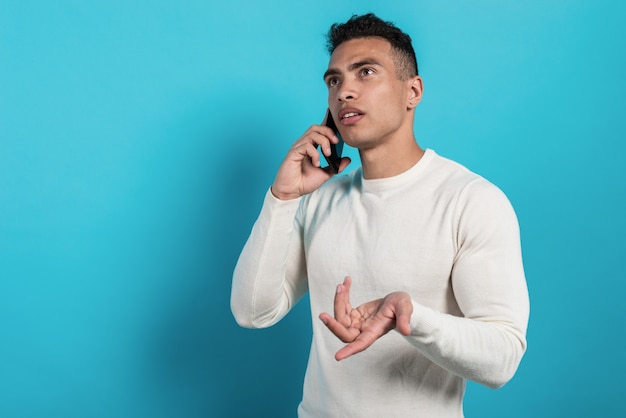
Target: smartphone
(335,149)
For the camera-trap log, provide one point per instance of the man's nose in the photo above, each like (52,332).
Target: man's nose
(347,91)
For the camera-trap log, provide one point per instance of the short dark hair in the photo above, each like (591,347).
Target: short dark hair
(369,25)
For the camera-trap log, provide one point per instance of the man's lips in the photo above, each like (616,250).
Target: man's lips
(350,116)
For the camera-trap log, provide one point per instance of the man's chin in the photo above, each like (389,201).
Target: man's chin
(361,144)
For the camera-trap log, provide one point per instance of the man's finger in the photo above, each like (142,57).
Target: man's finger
(403,319)
(363,341)
(342,305)
(402,308)
(342,332)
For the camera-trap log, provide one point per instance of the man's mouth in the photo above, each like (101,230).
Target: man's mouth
(350,116)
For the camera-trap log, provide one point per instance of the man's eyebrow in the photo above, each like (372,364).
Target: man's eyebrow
(363,63)
(352,67)
(331,71)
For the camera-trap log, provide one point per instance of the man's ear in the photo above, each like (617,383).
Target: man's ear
(415,89)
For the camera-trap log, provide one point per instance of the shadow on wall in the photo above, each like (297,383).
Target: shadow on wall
(211,364)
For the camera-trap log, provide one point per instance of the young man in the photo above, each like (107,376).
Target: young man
(429,251)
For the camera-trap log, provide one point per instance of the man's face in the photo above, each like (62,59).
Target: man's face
(365,96)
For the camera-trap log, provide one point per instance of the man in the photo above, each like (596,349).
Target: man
(428,250)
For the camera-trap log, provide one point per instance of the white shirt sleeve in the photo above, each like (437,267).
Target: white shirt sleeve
(487,344)
(270,275)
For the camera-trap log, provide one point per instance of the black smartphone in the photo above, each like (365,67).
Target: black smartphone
(335,149)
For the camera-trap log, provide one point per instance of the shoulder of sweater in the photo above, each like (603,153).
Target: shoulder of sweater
(457,179)
(452,176)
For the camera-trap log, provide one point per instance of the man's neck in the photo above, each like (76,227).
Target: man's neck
(390,160)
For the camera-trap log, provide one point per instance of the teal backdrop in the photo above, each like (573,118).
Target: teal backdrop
(137,140)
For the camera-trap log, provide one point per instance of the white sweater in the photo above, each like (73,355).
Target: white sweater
(441,233)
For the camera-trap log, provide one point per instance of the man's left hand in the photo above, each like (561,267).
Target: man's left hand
(361,326)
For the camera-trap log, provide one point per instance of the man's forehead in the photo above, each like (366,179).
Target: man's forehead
(358,49)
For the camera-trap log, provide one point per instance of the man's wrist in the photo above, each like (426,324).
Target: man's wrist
(283,196)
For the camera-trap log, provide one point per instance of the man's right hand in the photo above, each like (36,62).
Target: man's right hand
(300,172)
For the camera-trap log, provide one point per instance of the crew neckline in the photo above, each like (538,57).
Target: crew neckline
(375,185)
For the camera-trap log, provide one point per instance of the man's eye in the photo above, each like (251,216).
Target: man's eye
(332,82)
(366,71)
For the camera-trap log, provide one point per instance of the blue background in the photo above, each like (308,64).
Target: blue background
(137,140)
